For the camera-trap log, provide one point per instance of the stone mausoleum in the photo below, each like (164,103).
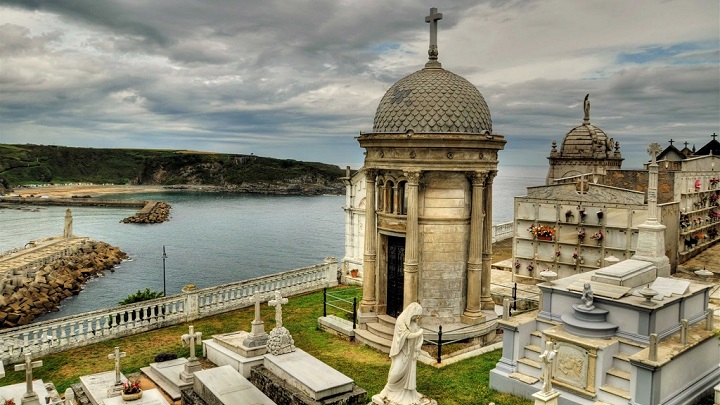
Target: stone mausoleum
(428,173)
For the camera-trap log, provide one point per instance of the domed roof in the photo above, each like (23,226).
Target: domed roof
(433,100)
(583,140)
(586,140)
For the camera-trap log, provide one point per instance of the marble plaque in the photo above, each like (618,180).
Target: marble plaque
(524,248)
(547,212)
(566,233)
(616,217)
(571,365)
(546,250)
(525,211)
(615,238)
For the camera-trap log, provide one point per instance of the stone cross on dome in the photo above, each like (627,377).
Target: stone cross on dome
(433,49)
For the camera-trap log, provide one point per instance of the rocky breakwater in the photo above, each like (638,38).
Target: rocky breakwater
(152,213)
(32,293)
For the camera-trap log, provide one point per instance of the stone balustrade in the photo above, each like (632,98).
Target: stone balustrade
(57,335)
(501,232)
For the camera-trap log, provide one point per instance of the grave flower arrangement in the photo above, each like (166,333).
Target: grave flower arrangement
(568,214)
(714,181)
(712,233)
(600,215)
(517,264)
(542,230)
(581,234)
(557,253)
(582,213)
(131,387)
(598,236)
(530,267)
(697,184)
(575,255)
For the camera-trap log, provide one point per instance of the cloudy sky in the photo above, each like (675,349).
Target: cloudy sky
(301,79)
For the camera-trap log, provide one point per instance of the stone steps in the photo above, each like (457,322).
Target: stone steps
(527,379)
(386,320)
(529,367)
(369,339)
(381,330)
(618,392)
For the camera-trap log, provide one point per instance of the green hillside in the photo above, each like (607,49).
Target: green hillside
(42,164)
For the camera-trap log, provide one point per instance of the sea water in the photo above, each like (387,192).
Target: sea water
(212,238)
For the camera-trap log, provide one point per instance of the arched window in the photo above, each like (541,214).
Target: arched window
(402,198)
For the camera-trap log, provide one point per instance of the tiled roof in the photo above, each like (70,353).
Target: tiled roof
(433,100)
(582,140)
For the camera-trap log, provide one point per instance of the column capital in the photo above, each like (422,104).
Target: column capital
(371,173)
(477,177)
(413,177)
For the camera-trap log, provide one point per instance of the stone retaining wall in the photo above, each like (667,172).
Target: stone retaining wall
(36,291)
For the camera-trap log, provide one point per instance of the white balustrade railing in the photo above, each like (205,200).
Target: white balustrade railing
(56,335)
(501,232)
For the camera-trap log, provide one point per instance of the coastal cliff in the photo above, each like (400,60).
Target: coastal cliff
(176,169)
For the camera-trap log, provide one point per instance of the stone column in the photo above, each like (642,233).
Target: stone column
(369,301)
(486,301)
(473,313)
(411,240)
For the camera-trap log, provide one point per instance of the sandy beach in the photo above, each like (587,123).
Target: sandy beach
(92,190)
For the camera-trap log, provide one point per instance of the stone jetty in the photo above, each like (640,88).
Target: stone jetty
(152,213)
(35,279)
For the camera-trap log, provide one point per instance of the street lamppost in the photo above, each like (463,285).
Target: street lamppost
(164,256)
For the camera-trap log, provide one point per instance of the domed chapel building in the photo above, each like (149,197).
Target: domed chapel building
(428,176)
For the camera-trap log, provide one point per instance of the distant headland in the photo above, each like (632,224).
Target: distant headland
(160,170)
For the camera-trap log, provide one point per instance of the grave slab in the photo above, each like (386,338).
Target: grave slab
(308,374)
(16,391)
(235,341)
(628,273)
(222,356)
(225,386)
(149,397)
(166,375)
(669,286)
(96,386)
(2,369)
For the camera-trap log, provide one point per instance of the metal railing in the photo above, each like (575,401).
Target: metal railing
(531,298)
(439,342)
(60,334)
(340,297)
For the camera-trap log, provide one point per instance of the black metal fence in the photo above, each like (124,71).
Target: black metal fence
(343,301)
(440,341)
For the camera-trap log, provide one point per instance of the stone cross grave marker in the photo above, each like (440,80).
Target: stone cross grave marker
(117,355)
(278,302)
(30,396)
(193,364)
(654,150)
(192,340)
(548,360)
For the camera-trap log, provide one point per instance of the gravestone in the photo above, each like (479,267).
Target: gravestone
(30,397)
(16,392)
(192,365)
(280,340)
(240,350)
(96,386)
(173,376)
(223,386)
(116,388)
(547,395)
(2,369)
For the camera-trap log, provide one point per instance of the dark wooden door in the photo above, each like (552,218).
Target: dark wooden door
(395,276)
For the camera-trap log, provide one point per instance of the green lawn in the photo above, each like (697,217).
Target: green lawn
(465,382)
